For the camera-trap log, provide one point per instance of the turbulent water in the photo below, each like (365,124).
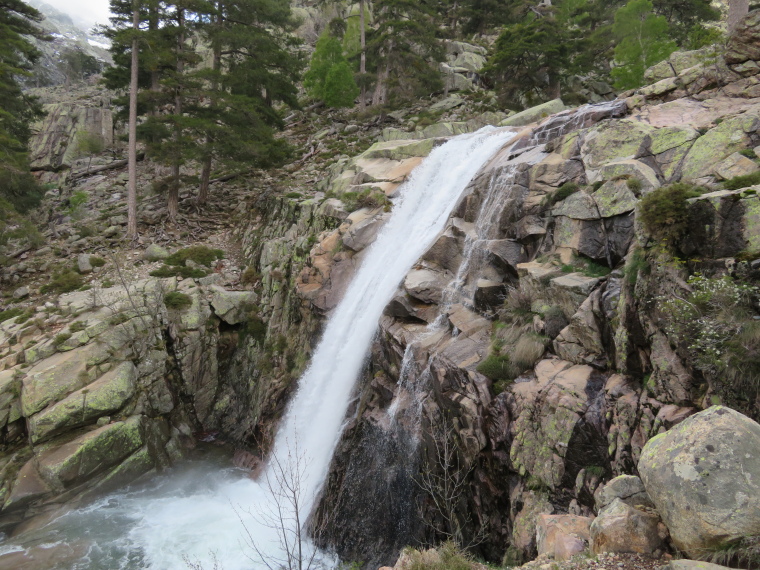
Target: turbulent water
(203,514)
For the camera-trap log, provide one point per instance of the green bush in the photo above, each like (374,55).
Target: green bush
(256,329)
(294,195)
(96,261)
(497,367)
(60,339)
(200,254)
(10,313)
(63,282)
(450,557)
(181,271)
(664,211)
(77,326)
(177,300)
(561,193)
(738,182)
(749,153)
(634,185)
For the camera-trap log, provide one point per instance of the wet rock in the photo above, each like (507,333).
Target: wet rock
(701,476)
(27,487)
(364,232)
(427,285)
(622,528)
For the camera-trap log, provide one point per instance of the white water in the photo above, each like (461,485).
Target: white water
(197,518)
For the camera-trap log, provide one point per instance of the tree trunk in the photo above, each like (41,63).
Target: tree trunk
(154,75)
(132,151)
(363,61)
(737,9)
(172,200)
(215,66)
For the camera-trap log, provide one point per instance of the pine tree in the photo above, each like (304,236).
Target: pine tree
(643,40)
(404,50)
(329,77)
(18,21)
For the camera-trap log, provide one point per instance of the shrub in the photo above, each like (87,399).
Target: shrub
(60,339)
(749,153)
(256,329)
(528,350)
(249,276)
(181,271)
(96,261)
(450,557)
(664,211)
(77,326)
(118,319)
(10,313)
(561,193)
(200,254)
(554,321)
(497,367)
(177,300)
(634,185)
(63,282)
(294,195)
(636,264)
(24,316)
(738,182)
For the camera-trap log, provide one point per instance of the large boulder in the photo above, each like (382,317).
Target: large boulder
(534,114)
(623,528)
(704,478)
(744,44)
(627,488)
(562,536)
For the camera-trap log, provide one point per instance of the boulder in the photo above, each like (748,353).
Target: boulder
(426,285)
(704,478)
(562,536)
(693,565)
(628,169)
(744,43)
(534,114)
(364,232)
(155,252)
(623,528)
(613,141)
(399,150)
(735,165)
(53,378)
(21,292)
(627,488)
(83,263)
(231,306)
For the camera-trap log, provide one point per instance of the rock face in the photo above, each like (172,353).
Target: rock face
(622,528)
(562,536)
(702,477)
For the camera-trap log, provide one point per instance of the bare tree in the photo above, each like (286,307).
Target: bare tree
(363,60)
(444,479)
(132,151)
(286,513)
(737,9)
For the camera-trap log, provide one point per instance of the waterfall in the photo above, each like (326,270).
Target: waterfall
(201,516)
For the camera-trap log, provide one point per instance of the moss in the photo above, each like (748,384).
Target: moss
(177,300)
(200,254)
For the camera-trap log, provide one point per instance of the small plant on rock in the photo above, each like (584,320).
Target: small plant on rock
(177,301)
(738,182)
(664,211)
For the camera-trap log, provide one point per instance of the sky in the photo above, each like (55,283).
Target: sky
(89,11)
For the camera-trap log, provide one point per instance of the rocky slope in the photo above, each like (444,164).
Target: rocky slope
(533,338)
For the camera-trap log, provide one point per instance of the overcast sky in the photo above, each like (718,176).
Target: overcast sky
(90,11)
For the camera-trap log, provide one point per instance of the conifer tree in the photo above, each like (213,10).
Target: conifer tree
(18,21)
(404,49)
(329,77)
(642,40)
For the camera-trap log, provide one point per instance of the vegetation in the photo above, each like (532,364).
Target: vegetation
(564,191)
(63,282)
(176,300)
(200,254)
(738,182)
(181,271)
(10,313)
(664,211)
(329,77)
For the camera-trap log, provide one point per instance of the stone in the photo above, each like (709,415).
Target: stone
(90,453)
(83,263)
(399,150)
(613,141)
(363,233)
(692,565)
(426,285)
(155,252)
(744,43)
(658,72)
(628,169)
(53,378)
(534,114)
(111,231)
(231,306)
(731,136)
(703,475)
(105,395)
(27,487)
(562,536)
(21,292)
(457,82)
(622,528)
(448,103)
(735,165)
(614,198)
(627,488)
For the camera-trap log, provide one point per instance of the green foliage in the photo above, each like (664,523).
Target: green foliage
(10,313)
(200,254)
(63,282)
(713,324)
(634,185)
(738,182)
(179,271)
(60,339)
(329,77)
(642,40)
(250,276)
(450,557)
(367,198)
(564,191)
(749,153)
(77,326)
(497,367)
(742,553)
(96,261)
(89,144)
(664,211)
(635,265)
(177,300)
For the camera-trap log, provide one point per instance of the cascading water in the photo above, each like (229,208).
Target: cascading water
(196,518)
